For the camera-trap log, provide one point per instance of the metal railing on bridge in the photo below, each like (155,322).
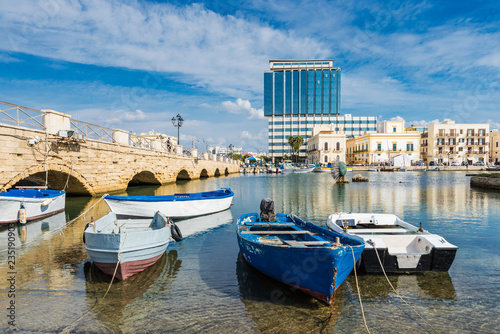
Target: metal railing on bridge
(33,119)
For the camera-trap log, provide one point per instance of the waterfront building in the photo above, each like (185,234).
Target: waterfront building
(225,151)
(495,146)
(326,144)
(301,94)
(449,143)
(391,144)
(420,129)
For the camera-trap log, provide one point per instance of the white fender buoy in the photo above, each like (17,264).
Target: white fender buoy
(22,215)
(46,202)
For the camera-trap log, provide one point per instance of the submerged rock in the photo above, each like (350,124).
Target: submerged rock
(486,181)
(359,178)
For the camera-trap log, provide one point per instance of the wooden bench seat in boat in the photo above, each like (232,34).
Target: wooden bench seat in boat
(297,243)
(277,232)
(379,230)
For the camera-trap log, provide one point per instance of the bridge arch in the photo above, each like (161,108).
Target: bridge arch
(57,178)
(143,177)
(203,174)
(183,175)
(217,172)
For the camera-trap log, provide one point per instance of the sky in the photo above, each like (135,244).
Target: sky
(133,65)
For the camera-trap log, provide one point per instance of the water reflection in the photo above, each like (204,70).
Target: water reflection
(31,233)
(277,307)
(428,285)
(111,312)
(197,225)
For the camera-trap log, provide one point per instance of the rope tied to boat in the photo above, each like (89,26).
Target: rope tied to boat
(357,287)
(118,261)
(372,243)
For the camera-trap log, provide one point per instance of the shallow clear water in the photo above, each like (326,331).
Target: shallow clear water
(203,285)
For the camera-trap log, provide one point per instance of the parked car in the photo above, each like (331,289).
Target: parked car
(432,163)
(464,163)
(497,163)
(455,163)
(479,163)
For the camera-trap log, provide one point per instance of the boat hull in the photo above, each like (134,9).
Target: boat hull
(127,249)
(309,269)
(174,206)
(436,260)
(36,207)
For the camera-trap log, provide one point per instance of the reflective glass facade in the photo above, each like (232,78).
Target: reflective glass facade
(302,91)
(301,94)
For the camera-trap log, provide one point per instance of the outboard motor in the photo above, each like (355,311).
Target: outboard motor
(267,210)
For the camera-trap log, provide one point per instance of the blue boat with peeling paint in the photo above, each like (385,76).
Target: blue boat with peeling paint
(298,253)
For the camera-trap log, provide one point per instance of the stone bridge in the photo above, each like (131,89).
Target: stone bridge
(87,167)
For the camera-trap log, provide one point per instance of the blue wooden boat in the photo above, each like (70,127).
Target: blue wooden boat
(298,253)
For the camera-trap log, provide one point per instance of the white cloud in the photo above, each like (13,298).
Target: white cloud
(138,115)
(397,118)
(243,107)
(222,53)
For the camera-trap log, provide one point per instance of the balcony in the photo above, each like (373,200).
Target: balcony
(453,135)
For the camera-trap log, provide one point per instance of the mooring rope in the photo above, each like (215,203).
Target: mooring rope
(371,242)
(69,174)
(357,287)
(118,261)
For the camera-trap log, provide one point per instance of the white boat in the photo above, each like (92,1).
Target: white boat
(323,169)
(287,167)
(304,170)
(127,246)
(174,206)
(38,203)
(402,247)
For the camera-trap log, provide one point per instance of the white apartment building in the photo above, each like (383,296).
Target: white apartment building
(449,142)
(391,144)
(326,144)
(495,146)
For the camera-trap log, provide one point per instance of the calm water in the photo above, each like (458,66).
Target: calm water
(203,285)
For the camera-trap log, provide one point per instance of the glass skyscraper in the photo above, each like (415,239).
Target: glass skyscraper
(299,94)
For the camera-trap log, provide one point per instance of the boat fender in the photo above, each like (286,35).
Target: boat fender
(46,202)
(176,232)
(22,214)
(84,231)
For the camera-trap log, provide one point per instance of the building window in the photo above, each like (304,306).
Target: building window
(394,146)
(409,147)
(338,146)
(379,147)
(394,129)
(326,158)
(326,146)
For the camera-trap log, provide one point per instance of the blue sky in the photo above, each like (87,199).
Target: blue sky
(135,64)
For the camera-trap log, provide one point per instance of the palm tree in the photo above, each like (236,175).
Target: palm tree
(295,143)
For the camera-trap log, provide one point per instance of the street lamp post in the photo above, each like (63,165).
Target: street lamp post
(177,121)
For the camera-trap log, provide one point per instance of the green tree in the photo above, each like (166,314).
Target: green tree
(295,143)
